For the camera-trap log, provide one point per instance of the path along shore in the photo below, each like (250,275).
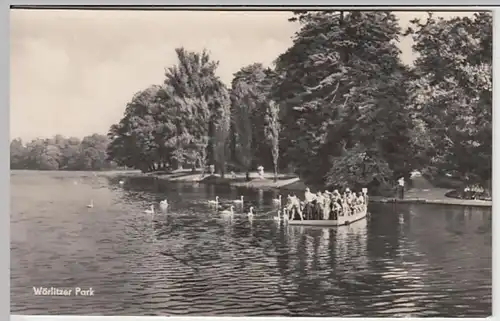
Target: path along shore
(423,191)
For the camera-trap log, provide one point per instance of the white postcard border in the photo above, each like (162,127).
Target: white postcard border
(4,127)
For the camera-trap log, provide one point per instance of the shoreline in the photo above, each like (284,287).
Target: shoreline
(294,184)
(448,201)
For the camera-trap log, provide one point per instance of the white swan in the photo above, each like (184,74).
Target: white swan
(240,201)
(277,201)
(277,218)
(91,204)
(212,202)
(121,182)
(151,210)
(250,212)
(282,215)
(164,205)
(229,211)
(285,214)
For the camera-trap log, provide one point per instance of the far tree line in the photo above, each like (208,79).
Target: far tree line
(61,153)
(338,108)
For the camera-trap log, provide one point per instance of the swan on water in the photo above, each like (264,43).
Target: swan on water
(164,205)
(240,201)
(212,202)
(121,182)
(91,204)
(277,201)
(229,211)
(277,218)
(151,210)
(285,214)
(250,212)
(282,215)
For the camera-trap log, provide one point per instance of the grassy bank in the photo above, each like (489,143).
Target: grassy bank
(425,191)
(443,201)
(284,181)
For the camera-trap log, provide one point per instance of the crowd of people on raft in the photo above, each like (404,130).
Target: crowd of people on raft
(325,206)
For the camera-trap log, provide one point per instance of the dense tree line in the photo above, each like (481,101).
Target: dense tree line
(450,99)
(339,107)
(61,153)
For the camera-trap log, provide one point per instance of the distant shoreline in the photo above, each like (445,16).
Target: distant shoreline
(285,183)
(444,201)
(111,171)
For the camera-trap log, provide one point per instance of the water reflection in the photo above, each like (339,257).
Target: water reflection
(260,197)
(405,260)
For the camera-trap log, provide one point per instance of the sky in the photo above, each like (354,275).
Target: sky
(72,72)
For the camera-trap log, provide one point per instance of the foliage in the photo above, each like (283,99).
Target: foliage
(339,106)
(221,120)
(60,153)
(139,139)
(174,124)
(452,93)
(249,96)
(272,130)
(194,96)
(358,168)
(342,86)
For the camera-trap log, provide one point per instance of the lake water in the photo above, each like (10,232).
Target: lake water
(404,260)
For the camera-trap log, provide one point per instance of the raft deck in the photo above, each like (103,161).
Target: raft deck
(342,220)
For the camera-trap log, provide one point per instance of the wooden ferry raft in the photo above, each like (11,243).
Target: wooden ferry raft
(345,217)
(341,220)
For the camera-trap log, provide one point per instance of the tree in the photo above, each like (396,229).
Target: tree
(70,153)
(251,87)
(41,155)
(61,153)
(175,124)
(249,96)
(194,83)
(152,134)
(221,120)
(273,132)
(357,168)
(342,88)
(17,154)
(242,126)
(138,139)
(452,93)
(92,154)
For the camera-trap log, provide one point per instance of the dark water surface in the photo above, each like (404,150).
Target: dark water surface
(404,260)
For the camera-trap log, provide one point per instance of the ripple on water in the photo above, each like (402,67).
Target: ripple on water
(192,262)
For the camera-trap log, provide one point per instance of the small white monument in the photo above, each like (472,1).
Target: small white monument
(401,187)
(260,171)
